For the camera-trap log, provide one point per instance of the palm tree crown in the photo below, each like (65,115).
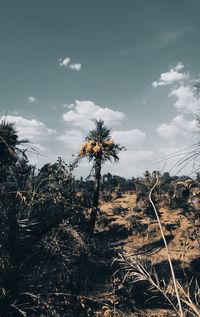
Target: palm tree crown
(99,144)
(9,143)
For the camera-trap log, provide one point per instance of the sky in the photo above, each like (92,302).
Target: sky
(131,63)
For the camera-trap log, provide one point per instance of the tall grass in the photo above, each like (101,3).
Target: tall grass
(166,247)
(137,269)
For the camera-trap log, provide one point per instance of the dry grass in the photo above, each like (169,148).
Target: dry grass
(183,299)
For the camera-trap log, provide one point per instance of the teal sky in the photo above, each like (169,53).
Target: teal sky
(123,47)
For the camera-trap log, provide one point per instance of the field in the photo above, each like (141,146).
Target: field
(101,246)
(127,228)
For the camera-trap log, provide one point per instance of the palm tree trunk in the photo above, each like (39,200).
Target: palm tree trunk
(93,215)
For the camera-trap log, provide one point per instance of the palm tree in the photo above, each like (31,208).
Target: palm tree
(11,175)
(99,148)
(9,142)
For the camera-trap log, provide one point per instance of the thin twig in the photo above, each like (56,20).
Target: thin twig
(166,247)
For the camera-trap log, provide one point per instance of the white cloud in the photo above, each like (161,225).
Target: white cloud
(178,127)
(82,112)
(172,76)
(76,66)
(31,99)
(168,130)
(129,138)
(30,129)
(131,163)
(179,66)
(186,101)
(41,155)
(64,61)
(72,139)
(171,157)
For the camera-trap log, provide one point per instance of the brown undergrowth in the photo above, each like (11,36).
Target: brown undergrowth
(69,274)
(129,228)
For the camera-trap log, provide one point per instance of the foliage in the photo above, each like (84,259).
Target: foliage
(9,144)
(99,144)
(46,254)
(99,148)
(140,270)
(42,235)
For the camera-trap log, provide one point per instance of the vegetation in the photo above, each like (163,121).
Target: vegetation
(99,148)
(50,265)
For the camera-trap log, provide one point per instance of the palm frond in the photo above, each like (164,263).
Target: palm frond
(106,149)
(100,133)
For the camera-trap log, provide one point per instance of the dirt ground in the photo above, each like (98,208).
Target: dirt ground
(126,226)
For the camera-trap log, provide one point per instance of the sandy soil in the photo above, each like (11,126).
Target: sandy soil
(127,226)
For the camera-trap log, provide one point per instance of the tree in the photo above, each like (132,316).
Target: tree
(99,148)
(9,145)
(14,172)
(147,176)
